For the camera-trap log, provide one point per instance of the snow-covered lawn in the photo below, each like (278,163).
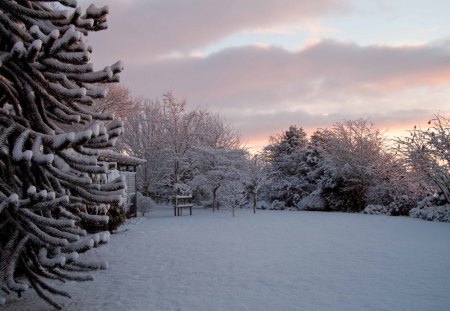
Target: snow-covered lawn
(268,261)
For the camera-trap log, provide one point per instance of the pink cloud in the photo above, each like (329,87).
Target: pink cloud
(262,90)
(328,68)
(141,29)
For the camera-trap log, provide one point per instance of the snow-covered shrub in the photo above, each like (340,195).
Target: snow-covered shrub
(432,207)
(53,148)
(277,205)
(262,205)
(144,204)
(377,210)
(312,202)
(401,205)
(432,213)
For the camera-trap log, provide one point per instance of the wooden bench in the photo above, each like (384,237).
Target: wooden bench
(180,202)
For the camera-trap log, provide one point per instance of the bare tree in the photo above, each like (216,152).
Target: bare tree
(118,101)
(179,145)
(144,137)
(216,132)
(182,131)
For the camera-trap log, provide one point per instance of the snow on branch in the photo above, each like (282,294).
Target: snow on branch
(50,141)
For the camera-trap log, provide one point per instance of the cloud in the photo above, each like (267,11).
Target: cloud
(325,71)
(262,89)
(142,29)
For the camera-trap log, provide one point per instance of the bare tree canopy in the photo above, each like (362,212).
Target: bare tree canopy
(117,101)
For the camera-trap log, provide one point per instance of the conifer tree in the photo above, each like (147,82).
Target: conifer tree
(285,155)
(52,146)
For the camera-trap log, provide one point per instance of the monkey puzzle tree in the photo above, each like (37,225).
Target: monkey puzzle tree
(52,146)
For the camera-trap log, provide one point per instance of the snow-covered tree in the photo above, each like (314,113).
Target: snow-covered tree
(213,167)
(51,146)
(286,157)
(255,175)
(285,144)
(144,138)
(426,153)
(353,156)
(216,132)
(182,131)
(232,195)
(172,138)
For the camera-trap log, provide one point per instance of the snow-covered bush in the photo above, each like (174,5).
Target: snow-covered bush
(277,205)
(435,199)
(432,207)
(312,202)
(401,205)
(53,148)
(432,213)
(377,210)
(262,205)
(144,204)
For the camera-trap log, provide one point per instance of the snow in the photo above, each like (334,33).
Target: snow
(273,260)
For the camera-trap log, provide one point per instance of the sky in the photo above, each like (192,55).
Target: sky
(268,64)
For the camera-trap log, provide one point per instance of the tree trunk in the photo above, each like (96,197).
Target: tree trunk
(145,183)
(176,171)
(254,202)
(215,198)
